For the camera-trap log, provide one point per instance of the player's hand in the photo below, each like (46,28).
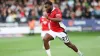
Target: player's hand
(45,14)
(47,17)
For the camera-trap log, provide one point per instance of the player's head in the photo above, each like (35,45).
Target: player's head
(48,6)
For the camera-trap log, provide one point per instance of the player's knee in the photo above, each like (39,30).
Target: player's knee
(45,39)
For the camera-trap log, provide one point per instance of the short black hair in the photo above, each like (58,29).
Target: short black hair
(48,2)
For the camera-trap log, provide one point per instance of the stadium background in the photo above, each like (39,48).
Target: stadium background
(21,17)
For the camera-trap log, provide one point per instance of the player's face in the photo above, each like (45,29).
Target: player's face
(48,7)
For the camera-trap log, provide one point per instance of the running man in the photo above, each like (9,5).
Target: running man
(55,17)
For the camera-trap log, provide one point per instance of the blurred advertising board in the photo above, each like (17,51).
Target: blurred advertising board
(74,28)
(17,30)
(14,30)
(86,24)
(96,28)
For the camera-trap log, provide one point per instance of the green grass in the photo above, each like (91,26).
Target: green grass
(87,42)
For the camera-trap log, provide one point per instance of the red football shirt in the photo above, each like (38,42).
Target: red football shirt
(55,26)
(44,23)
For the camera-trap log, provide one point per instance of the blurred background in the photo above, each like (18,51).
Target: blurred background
(20,28)
(22,16)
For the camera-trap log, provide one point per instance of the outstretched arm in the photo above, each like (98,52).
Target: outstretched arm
(57,19)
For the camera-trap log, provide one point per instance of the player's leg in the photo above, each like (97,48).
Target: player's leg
(63,36)
(73,47)
(43,33)
(46,40)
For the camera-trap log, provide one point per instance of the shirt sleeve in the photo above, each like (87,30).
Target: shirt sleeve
(58,14)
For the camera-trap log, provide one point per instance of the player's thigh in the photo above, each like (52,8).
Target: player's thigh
(53,34)
(63,36)
(43,33)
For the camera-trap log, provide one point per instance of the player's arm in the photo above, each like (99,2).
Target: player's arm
(57,19)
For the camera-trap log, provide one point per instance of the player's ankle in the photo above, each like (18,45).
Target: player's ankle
(79,53)
(48,52)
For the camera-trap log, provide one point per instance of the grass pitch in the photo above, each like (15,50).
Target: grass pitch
(87,42)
